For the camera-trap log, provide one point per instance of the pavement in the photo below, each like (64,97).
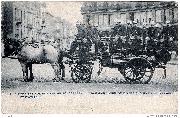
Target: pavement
(101,95)
(10,68)
(11,73)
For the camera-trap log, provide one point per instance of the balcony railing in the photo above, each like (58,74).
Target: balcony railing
(39,30)
(86,9)
(113,7)
(18,20)
(102,7)
(30,26)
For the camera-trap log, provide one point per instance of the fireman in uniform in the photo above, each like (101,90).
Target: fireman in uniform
(136,41)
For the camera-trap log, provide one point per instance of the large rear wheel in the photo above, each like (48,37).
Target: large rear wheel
(138,70)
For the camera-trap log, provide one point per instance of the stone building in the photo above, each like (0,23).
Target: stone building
(56,29)
(22,19)
(31,21)
(107,14)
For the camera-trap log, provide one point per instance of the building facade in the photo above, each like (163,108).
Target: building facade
(107,14)
(57,29)
(22,19)
(31,21)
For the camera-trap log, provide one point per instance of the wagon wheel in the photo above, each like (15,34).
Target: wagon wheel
(81,73)
(138,70)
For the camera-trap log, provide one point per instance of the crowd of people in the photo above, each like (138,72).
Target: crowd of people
(151,37)
(128,36)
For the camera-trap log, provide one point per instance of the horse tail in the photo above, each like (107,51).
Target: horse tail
(44,52)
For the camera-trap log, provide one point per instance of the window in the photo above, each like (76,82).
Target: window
(24,15)
(158,14)
(34,23)
(16,31)
(167,16)
(136,16)
(101,20)
(87,19)
(32,33)
(164,18)
(110,19)
(15,12)
(149,16)
(24,30)
(123,18)
(171,15)
(96,20)
(142,19)
(105,19)
(92,20)
(175,14)
(149,20)
(131,16)
(21,16)
(116,17)
(21,31)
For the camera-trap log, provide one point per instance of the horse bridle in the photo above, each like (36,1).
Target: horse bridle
(18,48)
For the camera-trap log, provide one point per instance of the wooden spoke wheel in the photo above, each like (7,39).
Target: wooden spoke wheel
(138,70)
(81,73)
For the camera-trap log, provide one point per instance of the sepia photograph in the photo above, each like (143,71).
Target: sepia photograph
(89,57)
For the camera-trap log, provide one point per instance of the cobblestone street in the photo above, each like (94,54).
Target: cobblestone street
(72,96)
(12,74)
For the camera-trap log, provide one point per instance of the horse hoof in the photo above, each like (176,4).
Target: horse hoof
(28,80)
(63,80)
(31,80)
(55,80)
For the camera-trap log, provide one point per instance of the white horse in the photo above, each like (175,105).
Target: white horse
(30,54)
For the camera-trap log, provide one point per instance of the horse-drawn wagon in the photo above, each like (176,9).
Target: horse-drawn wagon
(135,59)
(137,66)
(130,54)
